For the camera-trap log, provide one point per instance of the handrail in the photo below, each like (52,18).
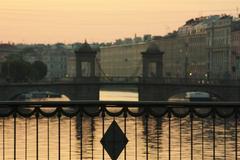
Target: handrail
(122,103)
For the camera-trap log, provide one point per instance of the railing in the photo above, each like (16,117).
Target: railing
(152,130)
(130,81)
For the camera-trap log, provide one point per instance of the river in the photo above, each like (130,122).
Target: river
(92,134)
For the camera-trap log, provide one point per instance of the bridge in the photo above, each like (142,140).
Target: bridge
(149,89)
(152,86)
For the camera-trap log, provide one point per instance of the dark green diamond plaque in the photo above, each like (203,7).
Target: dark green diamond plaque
(114,140)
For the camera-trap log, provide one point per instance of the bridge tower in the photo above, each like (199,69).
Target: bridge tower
(152,61)
(86,82)
(152,73)
(85,61)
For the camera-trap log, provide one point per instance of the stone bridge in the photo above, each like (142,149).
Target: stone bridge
(73,90)
(151,87)
(148,89)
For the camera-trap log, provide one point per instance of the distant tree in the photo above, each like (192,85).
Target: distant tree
(38,71)
(16,70)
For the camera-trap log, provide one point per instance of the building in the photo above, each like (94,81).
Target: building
(55,57)
(71,65)
(200,49)
(235,49)
(121,60)
(219,40)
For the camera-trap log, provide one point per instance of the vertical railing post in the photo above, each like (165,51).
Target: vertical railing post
(158,137)
(180,136)
(3,137)
(81,134)
(70,138)
(169,134)
(125,131)
(59,114)
(191,125)
(15,132)
(26,139)
(37,117)
(92,137)
(225,147)
(202,139)
(236,134)
(103,130)
(214,140)
(146,130)
(48,138)
(136,136)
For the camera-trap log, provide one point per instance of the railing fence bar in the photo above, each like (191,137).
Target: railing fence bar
(81,138)
(225,147)
(37,135)
(125,132)
(158,121)
(70,138)
(236,136)
(15,138)
(180,138)
(103,130)
(214,140)
(136,146)
(169,135)
(3,137)
(48,141)
(146,129)
(92,137)
(202,139)
(191,128)
(59,137)
(26,139)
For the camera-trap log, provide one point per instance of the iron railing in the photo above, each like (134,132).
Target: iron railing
(155,130)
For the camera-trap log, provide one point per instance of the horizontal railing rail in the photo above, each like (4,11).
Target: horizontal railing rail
(132,81)
(152,130)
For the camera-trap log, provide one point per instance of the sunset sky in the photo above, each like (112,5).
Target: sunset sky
(51,21)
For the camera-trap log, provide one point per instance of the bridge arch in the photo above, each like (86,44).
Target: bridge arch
(185,90)
(48,94)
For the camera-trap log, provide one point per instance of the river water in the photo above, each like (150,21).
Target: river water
(158,136)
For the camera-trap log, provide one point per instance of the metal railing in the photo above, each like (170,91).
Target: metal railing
(154,130)
(131,80)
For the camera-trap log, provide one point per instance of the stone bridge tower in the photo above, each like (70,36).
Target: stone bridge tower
(87,83)
(85,61)
(152,62)
(152,74)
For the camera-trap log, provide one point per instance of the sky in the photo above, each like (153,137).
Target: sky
(69,21)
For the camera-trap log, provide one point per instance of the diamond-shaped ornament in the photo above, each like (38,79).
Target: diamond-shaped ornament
(114,140)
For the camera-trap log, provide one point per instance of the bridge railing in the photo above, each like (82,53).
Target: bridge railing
(136,80)
(131,130)
(190,81)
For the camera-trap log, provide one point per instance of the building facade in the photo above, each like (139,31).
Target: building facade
(201,49)
(56,60)
(235,50)
(121,60)
(219,43)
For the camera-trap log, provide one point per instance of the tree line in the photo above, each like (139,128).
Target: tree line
(16,69)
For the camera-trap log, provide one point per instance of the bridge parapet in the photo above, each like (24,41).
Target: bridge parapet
(158,80)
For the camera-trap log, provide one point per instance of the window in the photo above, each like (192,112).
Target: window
(86,69)
(152,69)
